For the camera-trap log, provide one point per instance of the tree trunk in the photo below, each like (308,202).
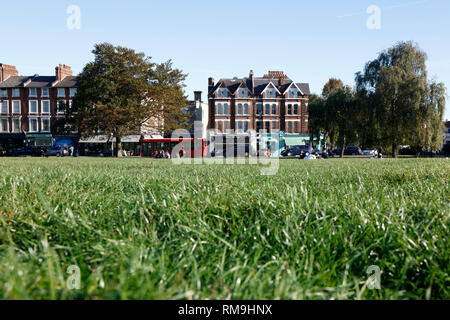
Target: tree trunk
(119,147)
(394,150)
(342,149)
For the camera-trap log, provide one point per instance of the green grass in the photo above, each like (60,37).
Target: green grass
(146,229)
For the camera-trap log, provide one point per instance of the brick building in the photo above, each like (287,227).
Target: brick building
(271,102)
(31,104)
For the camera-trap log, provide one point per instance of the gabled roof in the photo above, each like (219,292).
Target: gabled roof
(260,84)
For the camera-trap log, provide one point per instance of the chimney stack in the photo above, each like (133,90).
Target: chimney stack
(210,82)
(7,71)
(62,71)
(198,96)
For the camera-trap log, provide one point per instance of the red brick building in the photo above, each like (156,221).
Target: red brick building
(31,104)
(271,102)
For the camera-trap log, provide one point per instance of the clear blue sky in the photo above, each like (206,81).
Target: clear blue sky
(310,40)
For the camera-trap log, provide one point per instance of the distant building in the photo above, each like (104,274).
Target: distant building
(272,103)
(32,104)
(199,112)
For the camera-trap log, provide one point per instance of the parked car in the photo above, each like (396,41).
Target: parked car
(57,151)
(297,151)
(349,151)
(26,151)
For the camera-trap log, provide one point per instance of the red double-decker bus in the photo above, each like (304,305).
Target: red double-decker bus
(193,148)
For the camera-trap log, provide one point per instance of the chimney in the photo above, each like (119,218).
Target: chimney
(7,71)
(252,80)
(198,96)
(210,82)
(62,71)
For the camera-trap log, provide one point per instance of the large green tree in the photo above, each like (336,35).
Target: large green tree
(404,107)
(331,85)
(121,90)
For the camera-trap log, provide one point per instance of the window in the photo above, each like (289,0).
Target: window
(61,106)
(219,108)
(267,126)
(271,93)
(225,108)
(45,106)
(259,108)
(16,106)
(45,125)
(267,109)
(44,92)
(32,92)
(243,93)
(239,126)
(223,93)
(239,109)
(274,109)
(274,125)
(289,126)
(289,109)
(4,93)
(296,127)
(33,125)
(295,108)
(246,108)
(4,125)
(16,125)
(33,106)
(5,108)
(73,92)
(61,92)
(221,125)
(16,92)
(293,93)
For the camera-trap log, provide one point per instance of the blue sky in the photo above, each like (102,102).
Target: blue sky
(310,40)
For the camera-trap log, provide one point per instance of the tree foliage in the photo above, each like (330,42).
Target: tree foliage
(121,90)
(393,104)
(404,106)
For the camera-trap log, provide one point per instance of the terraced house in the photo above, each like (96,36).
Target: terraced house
(31,104)
(272,102)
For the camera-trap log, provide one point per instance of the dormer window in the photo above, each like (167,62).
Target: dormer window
(293,93)
(44,92)
(32,92)
(243,93)
(223,93)
(271,93)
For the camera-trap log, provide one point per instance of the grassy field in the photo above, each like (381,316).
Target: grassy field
(145,229)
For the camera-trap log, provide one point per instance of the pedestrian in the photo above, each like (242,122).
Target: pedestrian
(71,151)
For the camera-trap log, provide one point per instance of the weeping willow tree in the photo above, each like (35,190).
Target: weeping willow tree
(406,108)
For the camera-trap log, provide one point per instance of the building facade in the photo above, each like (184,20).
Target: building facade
(32,104)
(272,102)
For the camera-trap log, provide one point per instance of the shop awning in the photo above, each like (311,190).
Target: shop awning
(96,139)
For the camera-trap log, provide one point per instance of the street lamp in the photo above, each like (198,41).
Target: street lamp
(112,144)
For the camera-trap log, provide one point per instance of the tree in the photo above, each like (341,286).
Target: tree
(332,85)
(340,117)
(121,90)
(316,118)
(394,86)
